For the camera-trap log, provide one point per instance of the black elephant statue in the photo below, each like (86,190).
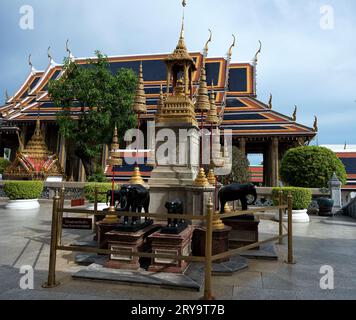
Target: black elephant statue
(109,197)
(133,198)
(175,225)
(235,192)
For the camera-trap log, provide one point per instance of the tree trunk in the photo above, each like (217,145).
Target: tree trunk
(88,163)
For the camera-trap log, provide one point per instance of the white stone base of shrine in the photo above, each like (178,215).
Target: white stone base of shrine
(29,204)
(298,216)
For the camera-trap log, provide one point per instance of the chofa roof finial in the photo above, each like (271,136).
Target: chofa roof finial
(49,53)
(270,102)
(294,117)
(206,47)
(258,52)
(315,125)
(30,61)
(70,54)
(7,98)
(233,45)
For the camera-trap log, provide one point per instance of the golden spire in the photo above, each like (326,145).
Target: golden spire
(160,104)
(115,140)
(212,117)
(295,113)
(36,148)
(114,159)
(181,52)
(202,104)
(140,98)
(315,126)
(270,104)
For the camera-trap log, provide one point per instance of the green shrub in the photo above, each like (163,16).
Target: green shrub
(98,176)
(89,190)
(3,165)
(302,197)
(22,190)
(311,167)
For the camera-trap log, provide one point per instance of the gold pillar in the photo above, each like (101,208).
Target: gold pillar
(168,79)
(274,162)
(186,80)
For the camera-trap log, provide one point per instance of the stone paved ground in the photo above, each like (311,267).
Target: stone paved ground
(24,239)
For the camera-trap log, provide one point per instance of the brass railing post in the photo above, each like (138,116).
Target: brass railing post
(51,281)
(208,251)
(60,216)
(290,229)
(280,201)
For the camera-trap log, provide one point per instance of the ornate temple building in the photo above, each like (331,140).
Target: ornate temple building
(257,128)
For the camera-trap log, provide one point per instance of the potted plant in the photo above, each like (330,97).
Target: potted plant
(325,204)
(89,191)
(23,195)
(302,198)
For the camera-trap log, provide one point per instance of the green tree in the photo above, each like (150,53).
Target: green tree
(240,167)
(311,167)
(104,100)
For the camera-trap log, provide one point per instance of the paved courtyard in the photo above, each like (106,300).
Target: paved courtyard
(24,240)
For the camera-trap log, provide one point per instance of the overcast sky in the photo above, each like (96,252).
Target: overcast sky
(303,61)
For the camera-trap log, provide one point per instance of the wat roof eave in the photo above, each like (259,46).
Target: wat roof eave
(243,109)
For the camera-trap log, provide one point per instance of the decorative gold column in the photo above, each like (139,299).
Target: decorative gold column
(274,162)
(139,107)
(202,106)
(114,160)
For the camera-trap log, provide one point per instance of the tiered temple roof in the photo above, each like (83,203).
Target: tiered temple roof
(244,113)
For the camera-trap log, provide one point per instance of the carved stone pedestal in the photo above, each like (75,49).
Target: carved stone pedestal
(128,242)
(244,232)
(102,229)
(172,244)
(220,242)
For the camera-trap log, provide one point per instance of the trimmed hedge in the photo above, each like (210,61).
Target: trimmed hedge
(89,191)
(311,167)
(23,190)
(302,197)
(3,165)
